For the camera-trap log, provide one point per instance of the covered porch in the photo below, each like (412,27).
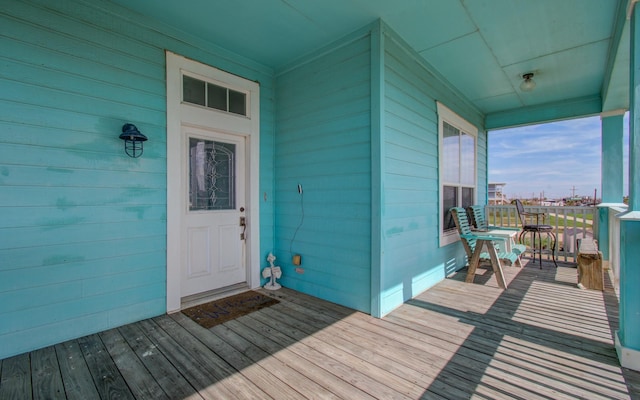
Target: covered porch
(354,104)
(541,338)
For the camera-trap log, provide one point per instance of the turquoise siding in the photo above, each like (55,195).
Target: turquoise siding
(412,260)
(83,226)
(323,143)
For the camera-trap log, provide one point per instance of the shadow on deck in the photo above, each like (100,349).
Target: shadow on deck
(541,338)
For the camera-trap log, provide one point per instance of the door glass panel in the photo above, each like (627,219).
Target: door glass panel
(193,90)
(211,175)
(217,97)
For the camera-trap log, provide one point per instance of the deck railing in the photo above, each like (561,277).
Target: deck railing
(569,223)
(614,242)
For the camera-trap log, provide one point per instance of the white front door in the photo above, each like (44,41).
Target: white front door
(214,219)
(213,158)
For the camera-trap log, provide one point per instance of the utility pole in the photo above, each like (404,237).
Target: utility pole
(573,191)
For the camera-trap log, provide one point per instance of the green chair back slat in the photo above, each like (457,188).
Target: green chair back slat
(469,242)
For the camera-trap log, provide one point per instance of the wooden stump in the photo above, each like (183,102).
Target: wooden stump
(590,274)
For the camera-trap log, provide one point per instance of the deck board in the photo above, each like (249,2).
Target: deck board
(104,372)
(541,338)
(131,367)
(78,383)
(15,381)
(172,382)
(45,375)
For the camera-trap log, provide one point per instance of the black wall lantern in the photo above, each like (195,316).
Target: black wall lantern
(133,140)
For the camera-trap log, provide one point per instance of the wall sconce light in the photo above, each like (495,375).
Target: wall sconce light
(528,84)
(133,140)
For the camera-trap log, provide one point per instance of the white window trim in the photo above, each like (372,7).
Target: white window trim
(249,127)
(453,119)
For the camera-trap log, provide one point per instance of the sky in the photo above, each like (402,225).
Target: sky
(555,159)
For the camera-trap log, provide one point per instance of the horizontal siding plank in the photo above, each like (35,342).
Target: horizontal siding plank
(20,217)
(81,67)
(400,109)
(64,81)
(319,116)
(122,281)
(348,129)
(79,234)
(89,252)
(396,167)
(24,299)
(40,121)
(414,156)
(59,159)
(396,125)
(49,334)
(137,311)
(75,272)
(68,197)
(342,155)
(80,103)
(305,72)
(23,175)
(62,39)
(81,306)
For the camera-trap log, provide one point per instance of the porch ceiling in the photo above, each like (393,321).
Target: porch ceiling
(578,49)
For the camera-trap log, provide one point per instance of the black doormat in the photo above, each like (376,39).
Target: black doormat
(223,310)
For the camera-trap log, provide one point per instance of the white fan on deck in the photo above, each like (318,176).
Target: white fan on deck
(272,272)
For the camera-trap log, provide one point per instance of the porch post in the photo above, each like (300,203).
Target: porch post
(612,166)
(628,337)
(611,178)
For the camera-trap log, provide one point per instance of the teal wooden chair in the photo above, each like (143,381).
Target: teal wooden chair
(473,243)
(480,222)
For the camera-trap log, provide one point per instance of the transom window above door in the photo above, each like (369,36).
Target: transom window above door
(210,95)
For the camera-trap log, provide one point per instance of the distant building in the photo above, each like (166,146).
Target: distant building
(495,193)
(553,203)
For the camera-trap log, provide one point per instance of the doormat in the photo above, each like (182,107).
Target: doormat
(219,311)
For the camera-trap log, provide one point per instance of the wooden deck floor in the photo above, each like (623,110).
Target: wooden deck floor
(541,338)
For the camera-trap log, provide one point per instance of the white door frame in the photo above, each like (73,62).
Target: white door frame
(249,127)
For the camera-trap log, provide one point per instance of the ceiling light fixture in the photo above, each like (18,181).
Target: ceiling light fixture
(528,84)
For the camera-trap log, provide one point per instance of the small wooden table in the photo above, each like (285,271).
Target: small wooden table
(508,234)
(495,261)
